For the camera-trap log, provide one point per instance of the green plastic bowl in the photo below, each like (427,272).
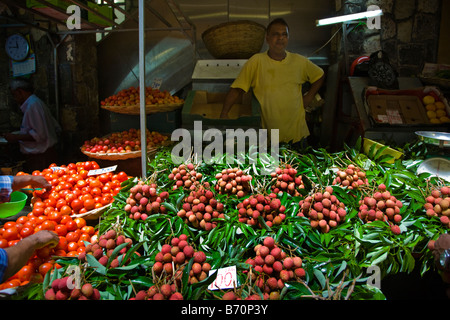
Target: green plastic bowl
(17,203)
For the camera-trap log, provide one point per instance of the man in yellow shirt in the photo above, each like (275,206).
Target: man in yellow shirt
(276,77)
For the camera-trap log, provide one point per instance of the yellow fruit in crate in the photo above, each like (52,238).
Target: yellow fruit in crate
(428,100)
(431,114)
(439,105)
(440,113)
(431,107)
(444,119)
(435,120)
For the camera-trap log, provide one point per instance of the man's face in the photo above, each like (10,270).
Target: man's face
(18,95)
(277,37)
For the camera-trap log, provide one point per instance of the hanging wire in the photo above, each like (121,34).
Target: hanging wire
(329,40)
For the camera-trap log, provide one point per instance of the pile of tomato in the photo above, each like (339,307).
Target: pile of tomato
(73,192)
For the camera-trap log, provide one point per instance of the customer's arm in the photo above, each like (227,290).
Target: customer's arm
(33,181)
(23,250)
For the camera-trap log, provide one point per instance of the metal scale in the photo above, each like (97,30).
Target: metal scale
(436,165)
(216,75)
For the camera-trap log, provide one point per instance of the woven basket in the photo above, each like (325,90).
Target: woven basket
(136,109)
(234,40)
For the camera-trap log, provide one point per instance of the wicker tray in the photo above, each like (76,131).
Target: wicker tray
(118,156)
(234,40)
(136,109)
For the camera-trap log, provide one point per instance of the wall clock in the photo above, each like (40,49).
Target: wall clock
(17,47)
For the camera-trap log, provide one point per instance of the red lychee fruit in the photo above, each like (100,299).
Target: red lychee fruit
(269,242)
(230,295)
(50,294)
(199,257)
(87,290)
(395,229)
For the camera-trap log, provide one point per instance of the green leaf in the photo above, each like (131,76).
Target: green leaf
(95,264)
(320,277)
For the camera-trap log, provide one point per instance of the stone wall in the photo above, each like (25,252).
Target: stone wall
(409,32)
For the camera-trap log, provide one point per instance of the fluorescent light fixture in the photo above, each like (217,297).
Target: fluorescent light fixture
(349,17)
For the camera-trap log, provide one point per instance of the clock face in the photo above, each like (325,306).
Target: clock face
(17,47)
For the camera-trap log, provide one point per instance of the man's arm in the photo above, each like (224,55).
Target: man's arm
(15,137)
(309,96)
(231,97)
(19,253)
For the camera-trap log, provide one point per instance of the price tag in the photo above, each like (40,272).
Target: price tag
(226,278)
(156,84)
(57,168)
(103,170)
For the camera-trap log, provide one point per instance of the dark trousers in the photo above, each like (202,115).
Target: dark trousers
(40,161)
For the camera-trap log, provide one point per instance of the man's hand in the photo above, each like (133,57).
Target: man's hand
(44,238)
(307,99)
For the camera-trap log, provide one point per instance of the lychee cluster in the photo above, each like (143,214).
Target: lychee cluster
(174,257)
(351,177)
(286,180)
(323,209)
(272,268)
(268,207)
(185,176)
(159,292)
(381,206)
(103,247)
(200,208)
(65,289)
(232,295)
(438,205)
(144,200)
(233,181)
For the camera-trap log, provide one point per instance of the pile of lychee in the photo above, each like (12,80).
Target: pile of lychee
(65,289)
(438,204)
(164,291)
(185,176)
(233,181)
(272,268)
(200,208)
(381,205)
(285,179)
(171,260)
(323,209)
(144,200)
(268,207)
(351,177)
(103,247)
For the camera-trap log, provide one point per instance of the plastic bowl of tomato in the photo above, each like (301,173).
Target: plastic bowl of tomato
(14,206)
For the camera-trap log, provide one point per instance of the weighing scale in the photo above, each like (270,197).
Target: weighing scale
(437,166)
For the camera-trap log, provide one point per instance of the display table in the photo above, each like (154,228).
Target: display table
(398,134)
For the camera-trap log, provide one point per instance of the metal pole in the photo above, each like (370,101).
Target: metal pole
(143,116)
(55,73)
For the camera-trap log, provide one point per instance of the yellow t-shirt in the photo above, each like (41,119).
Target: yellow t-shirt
(277,86)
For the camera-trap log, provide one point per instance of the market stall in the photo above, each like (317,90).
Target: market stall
(303,224)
